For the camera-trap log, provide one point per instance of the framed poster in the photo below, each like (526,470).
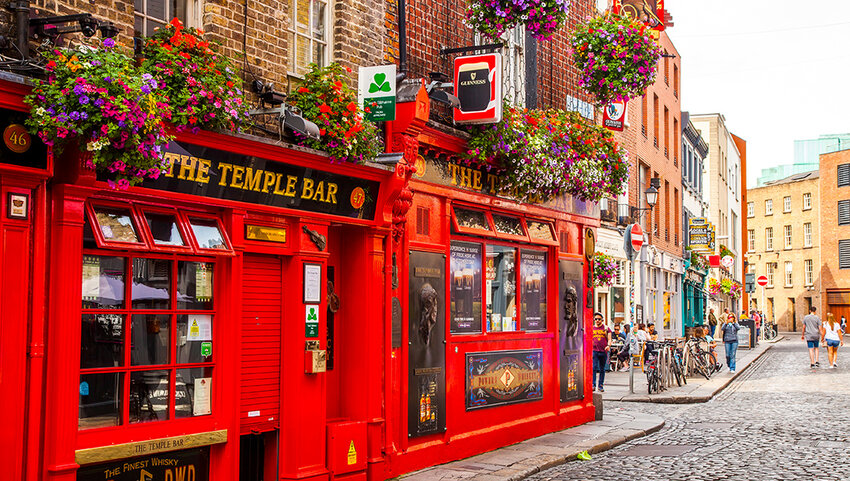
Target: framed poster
(503,377)
(571,328)
(465,276)
(312,283)
(533,289)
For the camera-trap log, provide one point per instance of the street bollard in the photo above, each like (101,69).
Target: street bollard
(631,374)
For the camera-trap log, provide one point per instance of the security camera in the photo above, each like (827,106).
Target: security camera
(88,26)
(108,30)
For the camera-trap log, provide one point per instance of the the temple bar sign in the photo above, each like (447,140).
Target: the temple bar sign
(478,86)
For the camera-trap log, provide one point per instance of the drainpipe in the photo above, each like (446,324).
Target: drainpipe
(402,36)
(22,17)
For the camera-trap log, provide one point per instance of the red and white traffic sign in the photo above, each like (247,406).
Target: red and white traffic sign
(637,238)
(762,280)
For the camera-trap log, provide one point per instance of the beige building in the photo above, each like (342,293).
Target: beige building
(784,243)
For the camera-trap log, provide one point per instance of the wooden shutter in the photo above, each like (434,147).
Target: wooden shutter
(843,175)
(261,321)
(843,212)
(844,254)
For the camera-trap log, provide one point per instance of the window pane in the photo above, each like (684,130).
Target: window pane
(318,54)
(100,400)
(472,219)
(318,20)
(139,5)
(465,265)
(207,233)
(193,395)
(194,285)
(164,229)
(152,26)
(116,224)
(150,335)
(194,338)
(539,230)
(149,394)
(103,282)
(501,288)
(151,284)
(302,16)
(507,225)
(102,341)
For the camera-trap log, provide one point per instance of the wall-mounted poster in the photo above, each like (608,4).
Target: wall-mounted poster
(571,328)
(426,335)
(533,285)
(465,276)
(503,377)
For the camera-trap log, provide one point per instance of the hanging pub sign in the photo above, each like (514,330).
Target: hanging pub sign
(701,234)
(649,12)
(478,86)
(503,377)
(208,172)
(614,117)
(377,92)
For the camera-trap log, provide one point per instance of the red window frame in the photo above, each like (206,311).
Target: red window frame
(127,311)
(470,230)
(508,236)
(552,241)
(146,241)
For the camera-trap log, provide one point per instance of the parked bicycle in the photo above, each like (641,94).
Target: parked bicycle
(701,361)
(769,331)
(664,366)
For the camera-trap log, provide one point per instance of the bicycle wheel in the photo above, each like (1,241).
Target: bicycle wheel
(701,367)
(682,370)
(652,381)
(713,364)
(677,371)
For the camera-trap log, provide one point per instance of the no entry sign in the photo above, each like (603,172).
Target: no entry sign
(762,280)
(637,238)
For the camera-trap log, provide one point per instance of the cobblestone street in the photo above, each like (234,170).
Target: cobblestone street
(779,420)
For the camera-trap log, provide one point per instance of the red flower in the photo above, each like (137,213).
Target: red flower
(230,84)
(352,107)
(303,90)
(324,108)
(176,23)
(50,65)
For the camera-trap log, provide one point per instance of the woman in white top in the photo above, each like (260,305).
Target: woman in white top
(834,337)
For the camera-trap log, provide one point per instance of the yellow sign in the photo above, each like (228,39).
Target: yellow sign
(151,446)
(263,233)
(352,454)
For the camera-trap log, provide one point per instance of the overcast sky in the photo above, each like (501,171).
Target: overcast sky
(777,70)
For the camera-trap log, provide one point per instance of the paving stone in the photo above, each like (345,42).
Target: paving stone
(778,420)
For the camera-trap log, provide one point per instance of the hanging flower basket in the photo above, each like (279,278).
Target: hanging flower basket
(546,153)
(542,18)
(201,85)
(94,98)
(325,99)
(714,287)
(617,58)
(605,270)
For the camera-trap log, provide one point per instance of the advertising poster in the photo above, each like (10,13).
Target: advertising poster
(465,276)
(533,290)
(571,328)
(426,335)
(503,377)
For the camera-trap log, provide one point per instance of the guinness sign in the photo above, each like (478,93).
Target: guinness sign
(478,86)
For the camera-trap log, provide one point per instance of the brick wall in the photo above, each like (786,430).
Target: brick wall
(643,150)
(784,311)
(834,280)
(257,38)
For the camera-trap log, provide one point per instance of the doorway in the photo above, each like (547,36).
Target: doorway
(793,307)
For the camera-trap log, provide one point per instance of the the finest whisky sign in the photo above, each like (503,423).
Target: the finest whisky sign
(478,86)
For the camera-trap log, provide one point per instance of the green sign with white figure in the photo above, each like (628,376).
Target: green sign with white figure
(377,92)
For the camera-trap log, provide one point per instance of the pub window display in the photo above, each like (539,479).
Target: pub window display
(159,344)
(503,286)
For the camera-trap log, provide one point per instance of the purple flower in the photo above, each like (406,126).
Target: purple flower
(108,43)
(84,99)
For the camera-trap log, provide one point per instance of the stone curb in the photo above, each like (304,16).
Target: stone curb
(701,398)
(531,466)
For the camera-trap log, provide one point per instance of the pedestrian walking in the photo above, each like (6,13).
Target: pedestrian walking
(812,333)
(601,340)
(834,337)
(757,318)
(730,339)
(712,322)
(843,324)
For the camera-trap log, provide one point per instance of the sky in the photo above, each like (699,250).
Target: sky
(777,70)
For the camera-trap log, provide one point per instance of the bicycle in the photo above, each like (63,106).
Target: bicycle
(769,331)
(679,364)
(703,363)
(653,376)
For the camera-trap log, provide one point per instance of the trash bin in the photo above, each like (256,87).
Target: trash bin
(751,327)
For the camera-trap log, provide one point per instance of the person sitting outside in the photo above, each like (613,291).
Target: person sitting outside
(653,334)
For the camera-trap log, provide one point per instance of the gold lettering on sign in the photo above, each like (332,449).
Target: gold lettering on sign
(153,446)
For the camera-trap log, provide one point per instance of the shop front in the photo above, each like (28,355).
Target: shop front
(694,310)
(493,347)
(212,323)
(616,300)
(662,292)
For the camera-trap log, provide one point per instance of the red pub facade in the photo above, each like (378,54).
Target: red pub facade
(258,312)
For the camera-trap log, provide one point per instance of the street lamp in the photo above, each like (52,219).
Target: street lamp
(651,197)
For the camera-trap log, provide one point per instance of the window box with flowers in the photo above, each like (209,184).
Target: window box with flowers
(546,153)
(616,56)
(97,97)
